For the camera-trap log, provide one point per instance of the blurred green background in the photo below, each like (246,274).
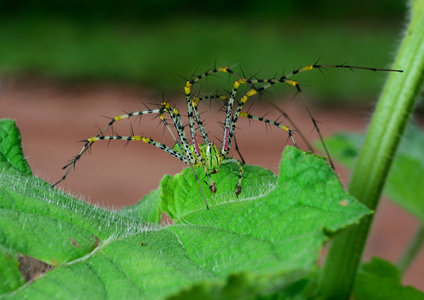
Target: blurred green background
(151,42)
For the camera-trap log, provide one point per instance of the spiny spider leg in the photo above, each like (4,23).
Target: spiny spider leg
(268,121)
(229,129)
(162,118)
(165,106)
(144,139)
(194,104)
(190,103)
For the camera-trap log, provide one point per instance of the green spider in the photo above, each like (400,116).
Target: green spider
(207,155)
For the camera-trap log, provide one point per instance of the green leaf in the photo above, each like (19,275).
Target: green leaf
(266,240)
(181,193)
(407,173)
(379,279)
(344,147)
(408,164)
(11,155)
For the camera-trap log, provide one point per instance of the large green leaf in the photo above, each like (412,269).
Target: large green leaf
(405,181)
(264,241)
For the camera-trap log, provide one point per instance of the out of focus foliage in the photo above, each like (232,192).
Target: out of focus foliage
(153,9)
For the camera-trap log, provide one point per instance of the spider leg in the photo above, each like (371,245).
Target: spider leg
(267,121)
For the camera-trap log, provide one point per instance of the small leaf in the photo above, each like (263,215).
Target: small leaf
(181,192)
(344,147)
(379,279)
(382,268)
(11,154)
(405,185)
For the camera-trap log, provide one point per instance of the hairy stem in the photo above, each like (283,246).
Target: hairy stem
(392,113)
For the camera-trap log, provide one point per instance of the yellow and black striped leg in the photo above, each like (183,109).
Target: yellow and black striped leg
(185,155)
(146,140)
(194,104)
(285,78)
(88,144)
(179,126)
(267,121)
(229,131)
(190,104)
(165,107)
(199,121)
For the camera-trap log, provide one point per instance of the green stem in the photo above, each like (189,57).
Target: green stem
(369,175)
(412,250)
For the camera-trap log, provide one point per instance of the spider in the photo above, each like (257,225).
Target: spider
(207,155)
